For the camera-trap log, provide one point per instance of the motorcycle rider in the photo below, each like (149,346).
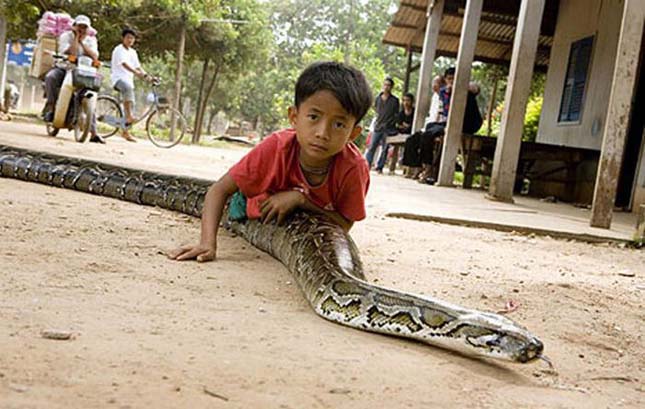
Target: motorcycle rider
(73,42)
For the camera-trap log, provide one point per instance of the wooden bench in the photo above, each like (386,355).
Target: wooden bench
(537,161)
(396,141)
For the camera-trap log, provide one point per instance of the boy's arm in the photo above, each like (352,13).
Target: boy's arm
(212,210)
(336,217)
(279,205)
(139,72)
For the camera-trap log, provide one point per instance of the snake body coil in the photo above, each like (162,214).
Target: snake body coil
(321,256)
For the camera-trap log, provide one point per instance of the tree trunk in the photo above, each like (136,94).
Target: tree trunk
(181,46)
(211,117)
(491,105)
(197,127)
(204,103)
(350,33)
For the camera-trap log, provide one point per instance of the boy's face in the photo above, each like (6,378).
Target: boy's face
(449,80)
(323,128)
(387,86)
(128,40)
(407,102)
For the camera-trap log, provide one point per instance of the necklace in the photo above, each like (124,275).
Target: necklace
(314,171)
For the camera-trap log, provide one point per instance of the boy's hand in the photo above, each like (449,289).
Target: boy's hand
(199,252)
(280,205)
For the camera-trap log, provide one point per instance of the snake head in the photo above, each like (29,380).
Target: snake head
(498,337)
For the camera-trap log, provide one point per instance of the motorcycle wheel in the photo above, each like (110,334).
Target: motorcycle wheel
(51,131)
(84,118)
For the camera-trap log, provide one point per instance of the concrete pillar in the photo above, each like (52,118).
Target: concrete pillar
(467,44)
(639,235)
(435,13)
(3,42)
(618,113)
(507,150)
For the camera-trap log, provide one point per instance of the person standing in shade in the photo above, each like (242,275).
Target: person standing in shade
(387,111)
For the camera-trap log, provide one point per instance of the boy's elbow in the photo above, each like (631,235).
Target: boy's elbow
(225,186)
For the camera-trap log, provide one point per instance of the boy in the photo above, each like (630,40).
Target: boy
(313,166)
(125,65)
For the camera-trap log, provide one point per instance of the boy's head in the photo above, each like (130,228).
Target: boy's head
(408,100)
(449,76)
(128,36)
(331,99)
(388,84)
(348,85)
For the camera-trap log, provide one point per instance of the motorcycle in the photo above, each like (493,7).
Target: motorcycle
(76,101)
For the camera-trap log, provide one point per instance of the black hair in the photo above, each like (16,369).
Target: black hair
(390,80)
(409,95)
(449,71)
(127,31)
(347,83)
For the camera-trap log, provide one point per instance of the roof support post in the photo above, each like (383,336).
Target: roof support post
(618,112)
(452,138)
(435,13)
(507,150)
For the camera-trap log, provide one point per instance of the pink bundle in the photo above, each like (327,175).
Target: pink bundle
(55,24)
(47,24)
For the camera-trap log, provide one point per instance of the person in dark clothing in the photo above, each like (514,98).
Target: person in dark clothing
(406,115)
(423,153)
(387,109)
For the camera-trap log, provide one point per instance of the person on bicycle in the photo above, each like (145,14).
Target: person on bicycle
(76,42)
(125,65)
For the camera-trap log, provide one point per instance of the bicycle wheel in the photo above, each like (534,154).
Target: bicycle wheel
(160,129)
(109,116)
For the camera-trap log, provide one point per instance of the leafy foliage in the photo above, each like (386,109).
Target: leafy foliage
(252,66)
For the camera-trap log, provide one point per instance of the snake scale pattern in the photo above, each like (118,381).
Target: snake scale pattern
(322,257)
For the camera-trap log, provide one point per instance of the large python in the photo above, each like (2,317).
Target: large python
(322,257)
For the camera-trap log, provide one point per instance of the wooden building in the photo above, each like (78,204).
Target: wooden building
(594,98)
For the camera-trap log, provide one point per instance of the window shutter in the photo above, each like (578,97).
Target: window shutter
(576,80)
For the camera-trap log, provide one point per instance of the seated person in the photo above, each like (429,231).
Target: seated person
(433,134)
(411,152)
(73,42)
(406,115)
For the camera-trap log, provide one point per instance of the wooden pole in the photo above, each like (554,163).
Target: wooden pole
(491,105)
(408,68)
(618,112)
(452,138)
(435,13)
(507,149)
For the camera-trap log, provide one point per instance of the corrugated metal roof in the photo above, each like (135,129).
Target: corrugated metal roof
(496,29)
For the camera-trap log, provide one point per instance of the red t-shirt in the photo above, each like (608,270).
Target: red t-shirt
(273,166)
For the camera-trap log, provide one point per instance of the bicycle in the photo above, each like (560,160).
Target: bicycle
(165,126)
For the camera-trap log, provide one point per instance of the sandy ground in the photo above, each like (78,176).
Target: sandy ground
(236,333)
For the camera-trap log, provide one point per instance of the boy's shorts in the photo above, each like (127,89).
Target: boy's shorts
(237,207)
(126,90)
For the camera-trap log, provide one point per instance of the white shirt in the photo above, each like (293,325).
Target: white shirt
(435,114)
(65,40)
(121,55)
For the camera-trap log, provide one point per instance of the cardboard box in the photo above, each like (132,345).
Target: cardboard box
(42,60)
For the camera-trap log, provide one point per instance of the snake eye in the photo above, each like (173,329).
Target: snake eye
(494,342)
